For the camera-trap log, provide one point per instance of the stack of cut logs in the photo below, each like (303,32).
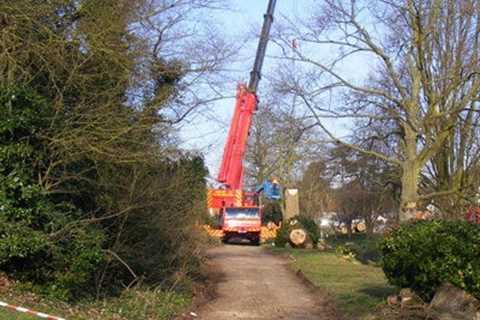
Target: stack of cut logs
(212,232)
(267,232)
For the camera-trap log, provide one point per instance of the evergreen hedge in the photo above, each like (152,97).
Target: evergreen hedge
(423,255)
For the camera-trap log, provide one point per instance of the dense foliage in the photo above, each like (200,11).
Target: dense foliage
(272,211)
(32,222)
(94,193)
(423,255)
(364,247)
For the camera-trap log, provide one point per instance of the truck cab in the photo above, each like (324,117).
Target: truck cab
(241,222)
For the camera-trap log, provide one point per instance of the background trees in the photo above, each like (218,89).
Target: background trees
(281,143)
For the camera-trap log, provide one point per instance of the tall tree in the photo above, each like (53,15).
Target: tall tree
(423,80)
(316,195)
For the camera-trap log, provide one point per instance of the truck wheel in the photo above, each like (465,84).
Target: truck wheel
(225,239)
(255,241)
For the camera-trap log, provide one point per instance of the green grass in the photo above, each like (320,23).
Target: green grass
(132,304)
(365,246)
(358,288)
(10,315)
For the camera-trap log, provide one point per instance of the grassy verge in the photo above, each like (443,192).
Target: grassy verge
(365,247)
(133,304)
(358,288)
(8,315)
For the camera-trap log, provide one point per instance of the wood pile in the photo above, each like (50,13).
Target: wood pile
(212,232)
(269,232)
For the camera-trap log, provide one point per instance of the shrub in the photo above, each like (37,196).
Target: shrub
(272,211)
(39,242)
(281,239)
(423,255)
(345,250)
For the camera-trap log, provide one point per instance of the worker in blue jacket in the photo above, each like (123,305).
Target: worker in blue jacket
(271,189)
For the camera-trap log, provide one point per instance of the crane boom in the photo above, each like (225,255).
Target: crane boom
(231,169)
(255,74)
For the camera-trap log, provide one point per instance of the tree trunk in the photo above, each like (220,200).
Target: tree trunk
(370,224)
(410,171)
(408,203)
(348,225)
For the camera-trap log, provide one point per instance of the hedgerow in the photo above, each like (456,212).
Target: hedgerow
(95,194)
(423,255)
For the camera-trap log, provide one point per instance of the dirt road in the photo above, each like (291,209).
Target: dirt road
(257,285)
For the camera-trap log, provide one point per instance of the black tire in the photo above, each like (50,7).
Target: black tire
(255,241)
(225,239)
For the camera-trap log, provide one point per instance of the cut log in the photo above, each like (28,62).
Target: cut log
(298,237)
(361,227)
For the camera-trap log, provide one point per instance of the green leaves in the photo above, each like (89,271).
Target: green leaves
(18,240)
(29,216)
(423,255)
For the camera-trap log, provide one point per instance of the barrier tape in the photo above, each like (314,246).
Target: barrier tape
(28,311)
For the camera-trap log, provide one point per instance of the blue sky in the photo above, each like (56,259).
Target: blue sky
(206,131)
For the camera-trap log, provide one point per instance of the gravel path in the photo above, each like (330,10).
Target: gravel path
(258,285)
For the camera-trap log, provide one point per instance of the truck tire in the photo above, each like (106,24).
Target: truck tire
(255,240)
(225,238)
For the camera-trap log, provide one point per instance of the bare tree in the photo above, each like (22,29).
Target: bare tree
(316,196)
(456,167)
(181,32)
(424,58)
(281,143)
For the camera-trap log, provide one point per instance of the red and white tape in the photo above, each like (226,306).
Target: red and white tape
(28,311)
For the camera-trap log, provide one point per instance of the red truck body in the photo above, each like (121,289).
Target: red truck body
(242,222)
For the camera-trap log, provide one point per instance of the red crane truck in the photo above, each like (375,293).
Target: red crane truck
(238,211)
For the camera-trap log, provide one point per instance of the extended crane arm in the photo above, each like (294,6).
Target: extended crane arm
(231,170)
(255,74)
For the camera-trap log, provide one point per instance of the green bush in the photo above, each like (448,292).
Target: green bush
(95,193)
(281,239)
(38,242)
(345,250)
(365,247)
(272,212)
(423,255)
